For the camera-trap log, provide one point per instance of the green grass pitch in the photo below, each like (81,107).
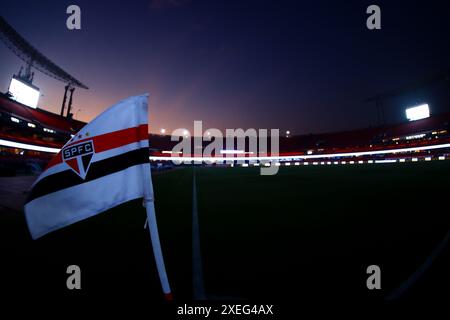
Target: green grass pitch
(307,232)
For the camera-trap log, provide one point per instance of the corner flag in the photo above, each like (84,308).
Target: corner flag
(105,164)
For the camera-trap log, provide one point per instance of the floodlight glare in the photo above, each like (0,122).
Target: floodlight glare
(418,112)
(24,93)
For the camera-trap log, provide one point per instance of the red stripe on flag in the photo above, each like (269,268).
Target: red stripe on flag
(73,163)
(110,140)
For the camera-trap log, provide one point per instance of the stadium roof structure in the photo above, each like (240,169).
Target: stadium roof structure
(442,76)
(30,55)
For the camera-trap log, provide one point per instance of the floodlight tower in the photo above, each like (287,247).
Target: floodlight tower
(35,59)
(443,76)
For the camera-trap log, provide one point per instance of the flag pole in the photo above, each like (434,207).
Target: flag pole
(151,217)
(154,236)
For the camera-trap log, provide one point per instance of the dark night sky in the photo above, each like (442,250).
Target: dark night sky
(297,65)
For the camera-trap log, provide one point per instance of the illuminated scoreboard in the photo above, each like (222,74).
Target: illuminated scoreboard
(23,92)
(418,112)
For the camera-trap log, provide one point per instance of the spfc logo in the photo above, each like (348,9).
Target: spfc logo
(78,157)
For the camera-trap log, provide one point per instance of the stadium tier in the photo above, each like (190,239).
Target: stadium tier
(30,137)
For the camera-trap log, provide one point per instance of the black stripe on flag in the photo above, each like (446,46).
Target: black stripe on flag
(68,178)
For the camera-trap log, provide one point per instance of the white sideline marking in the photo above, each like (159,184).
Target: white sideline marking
(197,269)
(397,293)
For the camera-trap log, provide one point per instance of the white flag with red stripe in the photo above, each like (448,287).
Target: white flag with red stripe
(104,165)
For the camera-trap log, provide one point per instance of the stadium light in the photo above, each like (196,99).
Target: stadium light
(25,146)
(418,112)
(415,136)
(232,151)
(306,157)
(23,92)
(386,161)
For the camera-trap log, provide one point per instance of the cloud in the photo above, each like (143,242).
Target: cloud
(164,4)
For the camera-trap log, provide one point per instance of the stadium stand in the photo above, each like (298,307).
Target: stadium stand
(37,127)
